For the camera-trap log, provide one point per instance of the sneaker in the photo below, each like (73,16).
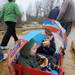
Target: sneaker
(4,48)
(3,56)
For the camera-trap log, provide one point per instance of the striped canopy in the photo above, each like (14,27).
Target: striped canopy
(55,26)
(50,24)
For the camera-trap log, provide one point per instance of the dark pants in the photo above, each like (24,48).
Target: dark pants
(67,26)
(10,32)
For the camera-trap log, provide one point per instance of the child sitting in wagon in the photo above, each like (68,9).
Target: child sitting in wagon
(47,50)
(48,45)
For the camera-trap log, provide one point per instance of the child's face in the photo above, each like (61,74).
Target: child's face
(47,40)
(46,43)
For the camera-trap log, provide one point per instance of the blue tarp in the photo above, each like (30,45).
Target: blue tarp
(36,35)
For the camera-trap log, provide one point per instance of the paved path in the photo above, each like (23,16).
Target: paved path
(69,58)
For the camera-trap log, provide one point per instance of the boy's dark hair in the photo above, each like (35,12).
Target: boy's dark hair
(48,32)
(10,0)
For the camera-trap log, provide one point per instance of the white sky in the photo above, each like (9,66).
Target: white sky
(2,2)
(25,3)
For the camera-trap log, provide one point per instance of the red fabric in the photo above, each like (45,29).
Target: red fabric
(52,29)
(18,68)
(34,71)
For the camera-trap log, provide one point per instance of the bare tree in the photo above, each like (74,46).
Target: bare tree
(38,8)
(48,7)
(42,8)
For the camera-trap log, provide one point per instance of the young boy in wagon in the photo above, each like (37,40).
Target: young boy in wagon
(47,50)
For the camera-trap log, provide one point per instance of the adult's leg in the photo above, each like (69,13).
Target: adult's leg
(7,35)
(14,31)
(68,28)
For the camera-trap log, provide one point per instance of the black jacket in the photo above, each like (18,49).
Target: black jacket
(47,51)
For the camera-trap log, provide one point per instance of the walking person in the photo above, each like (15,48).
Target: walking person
(67,14)
(9,15)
